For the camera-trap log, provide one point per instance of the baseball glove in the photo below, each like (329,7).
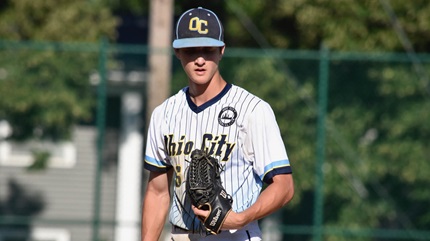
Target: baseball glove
(205,190)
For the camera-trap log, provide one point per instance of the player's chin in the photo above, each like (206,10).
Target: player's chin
(200,80)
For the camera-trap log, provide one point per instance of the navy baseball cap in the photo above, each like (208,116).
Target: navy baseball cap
(198,27)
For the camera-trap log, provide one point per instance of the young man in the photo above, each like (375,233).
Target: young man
(226,121)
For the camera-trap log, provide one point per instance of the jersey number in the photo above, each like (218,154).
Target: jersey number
(178,176)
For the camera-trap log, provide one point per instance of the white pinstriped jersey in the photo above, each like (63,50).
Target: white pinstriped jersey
(236,127)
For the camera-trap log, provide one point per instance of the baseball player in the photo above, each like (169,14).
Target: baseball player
(224,120)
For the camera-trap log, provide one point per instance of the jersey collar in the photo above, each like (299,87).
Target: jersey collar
(198,109)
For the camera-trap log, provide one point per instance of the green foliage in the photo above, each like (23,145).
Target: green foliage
(45,93)
(41,159)
(340,24)
(377,151)
(53,20)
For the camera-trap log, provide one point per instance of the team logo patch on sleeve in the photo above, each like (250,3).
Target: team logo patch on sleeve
(227,116)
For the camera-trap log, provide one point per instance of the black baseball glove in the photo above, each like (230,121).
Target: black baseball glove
(204,188)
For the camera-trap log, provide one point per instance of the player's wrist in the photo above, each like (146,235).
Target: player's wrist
(236,221)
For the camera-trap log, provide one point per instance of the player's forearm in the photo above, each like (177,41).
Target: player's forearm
(155,205)
(275,196)
(154,212)
(271,199)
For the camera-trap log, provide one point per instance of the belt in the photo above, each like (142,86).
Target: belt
(176,229)
(181,230)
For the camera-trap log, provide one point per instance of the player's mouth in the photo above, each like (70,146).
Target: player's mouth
(200,71)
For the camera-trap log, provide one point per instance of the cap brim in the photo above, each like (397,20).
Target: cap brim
(197,42)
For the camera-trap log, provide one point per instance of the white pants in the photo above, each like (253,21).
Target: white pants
(250,232)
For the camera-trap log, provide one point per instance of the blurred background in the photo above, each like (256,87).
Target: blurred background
(349,81)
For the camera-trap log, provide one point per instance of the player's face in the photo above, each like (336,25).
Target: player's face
(200,63)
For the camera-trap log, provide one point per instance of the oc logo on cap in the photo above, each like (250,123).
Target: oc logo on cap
(199,25)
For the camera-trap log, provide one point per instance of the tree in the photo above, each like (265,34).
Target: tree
(45,93)
(341,25)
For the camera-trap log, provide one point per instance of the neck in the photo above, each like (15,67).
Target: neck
(200,94)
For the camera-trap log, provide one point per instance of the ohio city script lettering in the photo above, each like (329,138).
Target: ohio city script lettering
(213,145)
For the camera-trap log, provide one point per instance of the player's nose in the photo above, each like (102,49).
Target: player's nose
(200,60)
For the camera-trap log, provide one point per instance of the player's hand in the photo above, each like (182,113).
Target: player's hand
(200,213)
(233,220)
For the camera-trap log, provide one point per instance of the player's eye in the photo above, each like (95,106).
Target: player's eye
(209,50)
(200,50)
(189,50)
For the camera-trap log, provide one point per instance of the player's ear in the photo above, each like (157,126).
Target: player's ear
(222,49)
